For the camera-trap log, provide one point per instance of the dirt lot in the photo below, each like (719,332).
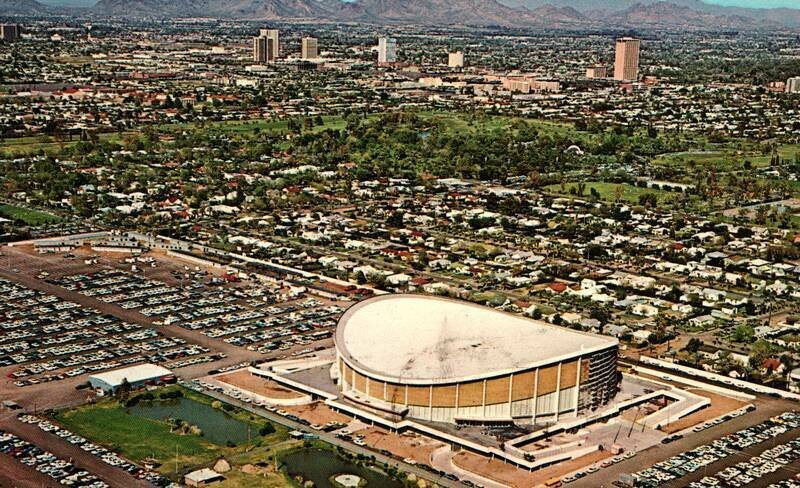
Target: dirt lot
(406,445)
(720,405)
(318,413)
(518,478)
(267,388)
(494,469)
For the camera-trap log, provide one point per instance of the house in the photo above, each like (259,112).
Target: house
(202,477)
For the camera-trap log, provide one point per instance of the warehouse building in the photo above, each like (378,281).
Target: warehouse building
(136,376)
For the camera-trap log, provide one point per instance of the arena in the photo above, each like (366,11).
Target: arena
(446,360)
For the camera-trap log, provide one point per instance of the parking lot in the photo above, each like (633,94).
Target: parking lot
(45,338)
(47,463)
(743,473)
(81,312)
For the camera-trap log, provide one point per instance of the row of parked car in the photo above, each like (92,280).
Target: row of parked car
(596,467)
(682,464)
(753,469)
(101,452)
(47,463)
(52,339)
(236,315)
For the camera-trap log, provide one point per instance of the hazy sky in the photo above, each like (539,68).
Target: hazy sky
(757,3)
(736,3)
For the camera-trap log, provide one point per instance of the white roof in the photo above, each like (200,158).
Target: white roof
(423,339)
(141,372)
(202,475)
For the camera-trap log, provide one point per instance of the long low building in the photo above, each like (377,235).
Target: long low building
(452,361)
(136,376)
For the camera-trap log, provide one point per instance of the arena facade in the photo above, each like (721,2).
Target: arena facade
(447,360)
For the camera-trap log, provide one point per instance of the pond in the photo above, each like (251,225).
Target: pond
(319,465)
(217,426)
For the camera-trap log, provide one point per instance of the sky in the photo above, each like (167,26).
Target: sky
(734,3)
(757,3)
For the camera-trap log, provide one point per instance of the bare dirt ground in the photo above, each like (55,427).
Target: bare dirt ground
(406,445)
(495,470)
(720,405)
(317,413)
(267,388)
(17,475)
(510,475)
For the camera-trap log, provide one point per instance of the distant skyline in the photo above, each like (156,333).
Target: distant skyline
(795,4)
(757,3)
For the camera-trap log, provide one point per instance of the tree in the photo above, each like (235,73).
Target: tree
(123,390)
(693,345)
(744,333)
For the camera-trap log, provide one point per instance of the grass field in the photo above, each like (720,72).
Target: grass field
(136,438)
(608,191)
(729,158)
(21,146)
(28,216)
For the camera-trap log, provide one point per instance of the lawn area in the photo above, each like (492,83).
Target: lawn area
(21,146)
(110,424)
(729,158)
(608,191)
(28,216)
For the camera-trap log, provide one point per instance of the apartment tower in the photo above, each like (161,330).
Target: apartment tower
(626,61)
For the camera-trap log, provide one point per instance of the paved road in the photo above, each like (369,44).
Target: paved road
(335,441)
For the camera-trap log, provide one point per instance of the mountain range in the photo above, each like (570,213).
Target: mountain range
(694,14)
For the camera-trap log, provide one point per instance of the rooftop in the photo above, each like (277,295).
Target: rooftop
(141,372)
(424,339)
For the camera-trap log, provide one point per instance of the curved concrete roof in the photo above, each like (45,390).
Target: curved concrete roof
(418,339)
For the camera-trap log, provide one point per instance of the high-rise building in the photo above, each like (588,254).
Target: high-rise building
(309,48)
(276,45)
(265,46)
(626,61)
(262,47)
(10,32)
(793,85)
(387,50)
(598,71)
(456,59)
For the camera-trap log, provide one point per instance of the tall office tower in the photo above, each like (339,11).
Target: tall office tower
(309,48)
(265,46)
(387,50)
(793,85)
(455,60)
(261,50)
(10,32)
(626,61)
(276,45)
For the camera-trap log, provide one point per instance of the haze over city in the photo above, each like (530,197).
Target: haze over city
(400,244)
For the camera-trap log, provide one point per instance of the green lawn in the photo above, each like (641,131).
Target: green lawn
(608,191)
(28,216)
(136,438)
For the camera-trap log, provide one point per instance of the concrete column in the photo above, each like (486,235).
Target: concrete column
(430,402)
(458,390)
(483,402)
(384,392)
(405,402)
(558,390)
(577,385)
(510,389)
(535,395)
